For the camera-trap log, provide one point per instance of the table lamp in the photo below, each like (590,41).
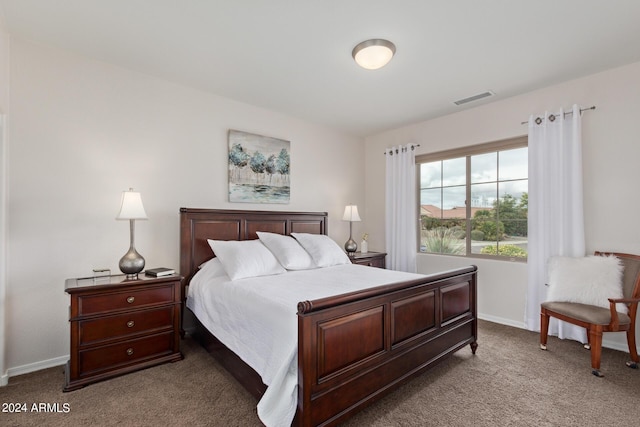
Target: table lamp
(131,208)
(351,215)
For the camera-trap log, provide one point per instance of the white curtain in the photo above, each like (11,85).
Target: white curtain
(556,219)
(401,208)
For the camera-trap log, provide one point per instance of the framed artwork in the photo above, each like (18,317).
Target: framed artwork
(259,168)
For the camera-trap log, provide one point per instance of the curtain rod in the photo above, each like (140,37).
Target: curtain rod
(552,117)
(413,147)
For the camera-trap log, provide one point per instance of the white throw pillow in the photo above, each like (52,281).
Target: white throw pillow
(587,280)
(324,251)
(213,267)
(287,250)
(245,258)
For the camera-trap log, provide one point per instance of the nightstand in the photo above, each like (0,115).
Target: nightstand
(120,326)
(371,259)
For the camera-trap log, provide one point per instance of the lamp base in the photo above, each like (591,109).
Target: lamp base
(131,263)
(351,246)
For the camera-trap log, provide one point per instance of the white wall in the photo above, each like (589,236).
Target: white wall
(83,131)
(611,173)
(4,104)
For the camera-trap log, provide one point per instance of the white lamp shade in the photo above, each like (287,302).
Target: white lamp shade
(131,206)
(373,54)
(351,213)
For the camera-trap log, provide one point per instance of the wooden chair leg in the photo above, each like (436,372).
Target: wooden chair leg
(544,329)
(595,339)
(631,340)
(588,344)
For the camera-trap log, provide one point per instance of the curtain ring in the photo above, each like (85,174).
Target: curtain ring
(538,120)
(552,118)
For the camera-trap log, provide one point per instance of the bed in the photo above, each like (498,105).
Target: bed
(352,348)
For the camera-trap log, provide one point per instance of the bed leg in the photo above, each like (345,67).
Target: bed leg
(474,347)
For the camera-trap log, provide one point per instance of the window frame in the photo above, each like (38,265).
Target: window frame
(466,153)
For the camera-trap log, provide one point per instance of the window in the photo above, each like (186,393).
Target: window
(474,201)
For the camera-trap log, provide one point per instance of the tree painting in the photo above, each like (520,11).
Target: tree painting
(259,168)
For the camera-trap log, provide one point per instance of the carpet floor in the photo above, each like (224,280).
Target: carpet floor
(509,382)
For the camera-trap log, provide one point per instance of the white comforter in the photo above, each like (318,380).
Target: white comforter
(256,319)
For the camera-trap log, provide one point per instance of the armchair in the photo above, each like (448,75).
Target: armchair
(598,320)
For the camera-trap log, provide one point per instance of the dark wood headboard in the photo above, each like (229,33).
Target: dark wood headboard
(198,225)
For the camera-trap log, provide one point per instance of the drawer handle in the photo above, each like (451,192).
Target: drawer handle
(129,351)
(130,324)
(130,300)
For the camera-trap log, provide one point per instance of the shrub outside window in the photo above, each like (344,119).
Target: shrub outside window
(474,201)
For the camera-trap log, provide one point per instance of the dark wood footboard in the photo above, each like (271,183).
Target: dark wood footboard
(355,348)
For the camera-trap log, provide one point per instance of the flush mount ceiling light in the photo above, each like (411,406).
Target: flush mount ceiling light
(374,53)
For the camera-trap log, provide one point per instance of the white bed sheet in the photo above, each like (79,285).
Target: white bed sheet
(256,318)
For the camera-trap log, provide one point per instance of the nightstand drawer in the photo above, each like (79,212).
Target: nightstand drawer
(370,259)
(101,303)
(122,325)
(371,262)
(125,353)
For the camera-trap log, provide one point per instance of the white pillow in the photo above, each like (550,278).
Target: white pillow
(287,250)
(587,280)
(245,258)
(324,251)
(212,267)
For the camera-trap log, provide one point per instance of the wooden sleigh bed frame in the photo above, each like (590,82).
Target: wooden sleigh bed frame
(352,348)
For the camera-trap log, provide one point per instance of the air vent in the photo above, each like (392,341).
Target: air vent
(474,97)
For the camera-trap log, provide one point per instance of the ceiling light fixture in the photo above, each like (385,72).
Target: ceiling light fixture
(374,53)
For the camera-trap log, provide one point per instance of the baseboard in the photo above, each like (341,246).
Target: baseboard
(4,380)
(613,345)
(501,320)
(37,366)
